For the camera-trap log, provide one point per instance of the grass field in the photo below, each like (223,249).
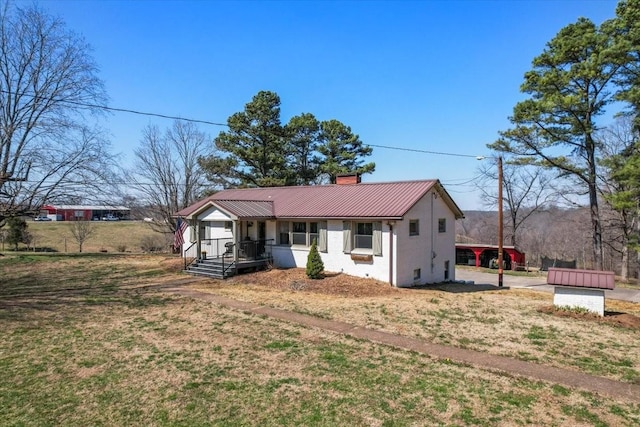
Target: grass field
(90,340)
(109,236)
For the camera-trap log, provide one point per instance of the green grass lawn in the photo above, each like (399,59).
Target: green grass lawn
(87,341)
(108,236)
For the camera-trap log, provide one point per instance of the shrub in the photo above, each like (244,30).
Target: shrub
(315,266)
(152,244)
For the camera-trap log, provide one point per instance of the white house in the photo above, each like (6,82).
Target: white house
(402,233)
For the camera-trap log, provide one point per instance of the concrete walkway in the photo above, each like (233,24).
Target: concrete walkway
(538,283)
(614,389)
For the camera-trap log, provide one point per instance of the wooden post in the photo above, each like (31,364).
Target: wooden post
(500,223)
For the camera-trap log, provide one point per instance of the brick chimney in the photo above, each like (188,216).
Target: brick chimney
(348,178)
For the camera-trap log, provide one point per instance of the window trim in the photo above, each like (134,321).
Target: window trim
(349,229)
(442,225)
(357,248)
(309,236)
(415,232)
(300,225)
(280,232)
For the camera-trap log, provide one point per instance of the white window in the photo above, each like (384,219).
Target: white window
(228,225)
(205,230)
(364,235)
(416,274)
(283,232)
(442,225)
(300,233)
(414,227)
(313,233)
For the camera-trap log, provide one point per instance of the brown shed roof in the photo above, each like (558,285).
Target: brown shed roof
(366,200)
(581,278)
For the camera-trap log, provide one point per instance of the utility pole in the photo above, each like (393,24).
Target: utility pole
(500,222)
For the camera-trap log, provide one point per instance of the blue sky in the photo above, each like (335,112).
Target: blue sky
(439,76)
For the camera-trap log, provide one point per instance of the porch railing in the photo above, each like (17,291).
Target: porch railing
(255,249)
(248,250)
(190,254)
(217,248)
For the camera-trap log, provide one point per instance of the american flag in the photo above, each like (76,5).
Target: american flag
(178,238)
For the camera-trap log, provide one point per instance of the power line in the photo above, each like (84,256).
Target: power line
(186,119)
(143,113)
(416,150)
(127,110)
(467,181)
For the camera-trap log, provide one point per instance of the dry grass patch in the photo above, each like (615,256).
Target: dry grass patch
(118,351)
(110,236)
(179,361)
(509,322)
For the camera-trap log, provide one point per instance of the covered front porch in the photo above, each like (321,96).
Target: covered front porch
(227,238)
(222,258)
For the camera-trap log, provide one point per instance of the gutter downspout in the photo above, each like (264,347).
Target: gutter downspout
(433,196)
(390,224)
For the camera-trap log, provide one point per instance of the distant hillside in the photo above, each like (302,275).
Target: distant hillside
(554,233)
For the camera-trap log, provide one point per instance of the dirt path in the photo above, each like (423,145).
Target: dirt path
(490,362)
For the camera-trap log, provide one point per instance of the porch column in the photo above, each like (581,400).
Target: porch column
(234,230)
(196,230)
(477,253)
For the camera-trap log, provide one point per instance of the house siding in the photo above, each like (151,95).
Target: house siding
(335,260)
(416,252)
(211,230)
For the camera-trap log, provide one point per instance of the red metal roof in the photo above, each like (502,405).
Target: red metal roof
(581,278)
(247,209)
(366,200)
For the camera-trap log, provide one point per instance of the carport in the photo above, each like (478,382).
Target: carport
(481,255)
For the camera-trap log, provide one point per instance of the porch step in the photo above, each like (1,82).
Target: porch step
(211,268)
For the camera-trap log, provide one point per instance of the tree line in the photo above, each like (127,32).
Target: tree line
(562,233)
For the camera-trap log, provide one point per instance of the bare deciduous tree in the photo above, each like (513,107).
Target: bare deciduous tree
(167,172)
(526,191)
(620,157)
(81,231)
(48,88)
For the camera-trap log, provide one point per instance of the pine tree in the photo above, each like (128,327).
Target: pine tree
(315,266)
(342,151)
(17,231)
